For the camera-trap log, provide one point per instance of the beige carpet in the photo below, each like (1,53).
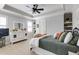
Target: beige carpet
(21,48)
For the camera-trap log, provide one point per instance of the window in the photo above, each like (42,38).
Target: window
(29,25)
(2,22)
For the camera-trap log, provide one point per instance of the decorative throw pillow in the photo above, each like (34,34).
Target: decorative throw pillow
(78,43)
(75,38)
(57,35)
(62,37)
(74,41)
(68,37)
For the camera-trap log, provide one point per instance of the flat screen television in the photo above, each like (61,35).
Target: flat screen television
(4,32)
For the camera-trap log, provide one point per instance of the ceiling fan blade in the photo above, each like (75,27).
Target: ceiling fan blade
(35,6)
(40,9)
(33,10)
(37,11)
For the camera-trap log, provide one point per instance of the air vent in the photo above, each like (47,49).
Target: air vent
(12,9)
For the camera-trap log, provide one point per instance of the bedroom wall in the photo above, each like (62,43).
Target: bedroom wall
(54,22)
(12,20)
(51,23)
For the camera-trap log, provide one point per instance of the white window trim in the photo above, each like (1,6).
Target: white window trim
(5,26)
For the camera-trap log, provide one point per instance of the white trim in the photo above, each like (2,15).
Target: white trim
(16,14)
(1,15)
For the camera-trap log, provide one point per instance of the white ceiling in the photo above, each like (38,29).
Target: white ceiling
(47,8)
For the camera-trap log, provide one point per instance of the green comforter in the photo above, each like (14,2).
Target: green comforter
(54,46)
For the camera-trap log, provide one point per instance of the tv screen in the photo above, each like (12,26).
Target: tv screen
(4,32)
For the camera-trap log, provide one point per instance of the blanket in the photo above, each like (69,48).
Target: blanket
(34,42)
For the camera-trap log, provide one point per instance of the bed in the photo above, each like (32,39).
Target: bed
(49,45)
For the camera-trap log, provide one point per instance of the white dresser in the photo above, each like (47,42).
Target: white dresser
(17,36)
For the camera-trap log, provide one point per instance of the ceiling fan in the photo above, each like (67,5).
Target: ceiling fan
(35,8)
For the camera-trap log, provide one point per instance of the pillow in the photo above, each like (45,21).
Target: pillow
(57,35)
(68,37)
(75,31)
(74,41)
(78,43)
(62,37)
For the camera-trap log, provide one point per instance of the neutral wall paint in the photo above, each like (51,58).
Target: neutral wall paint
(51,23)
(55,24)
(52,19)
(12,20)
